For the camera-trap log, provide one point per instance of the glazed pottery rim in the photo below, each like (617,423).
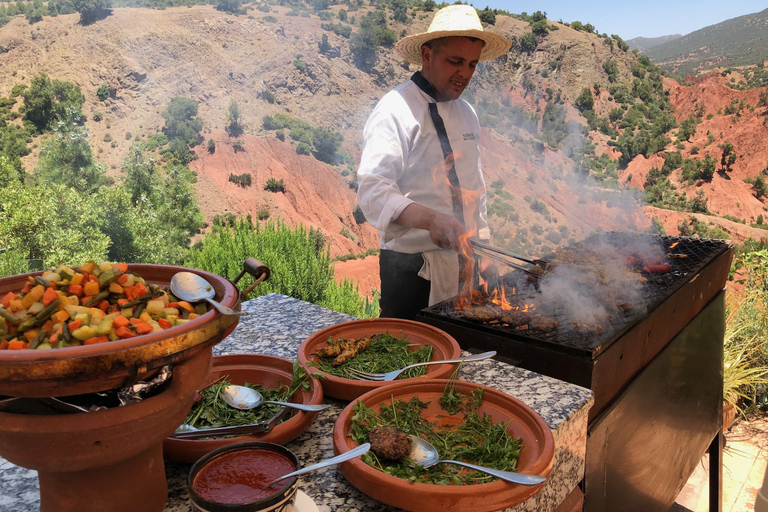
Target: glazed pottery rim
(299,421)
(254,506)
(332,384)
(227,293)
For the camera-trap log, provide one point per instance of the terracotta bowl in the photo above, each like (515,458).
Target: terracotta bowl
(266,371)
(110,460)
(281,501)
(536,456)
(92,368)
(443,344)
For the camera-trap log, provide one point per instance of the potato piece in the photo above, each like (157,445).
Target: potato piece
(155,307)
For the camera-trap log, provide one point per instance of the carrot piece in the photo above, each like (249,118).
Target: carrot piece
(26,288)
(3,344)
(49,296)
(120,321)
(54,339)
(121,302)
(135,321)
(104,305)
(7,298)
(53,286)
(60,316)
(140,289)
(48,326)
(130,292)
(77,278)
(125,332)
(91,288)
(122,279)
(143,328)
(30,334)
(85,299)
(123,267)
(96,339)
(164,324)
(17,345)
(74,324)
(75,289)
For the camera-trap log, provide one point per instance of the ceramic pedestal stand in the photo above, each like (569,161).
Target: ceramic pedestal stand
(106,461)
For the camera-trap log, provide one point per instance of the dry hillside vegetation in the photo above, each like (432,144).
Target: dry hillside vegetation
(147,57)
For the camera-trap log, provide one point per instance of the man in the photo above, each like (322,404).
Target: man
(420,182)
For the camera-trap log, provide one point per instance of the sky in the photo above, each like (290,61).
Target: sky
(632,18)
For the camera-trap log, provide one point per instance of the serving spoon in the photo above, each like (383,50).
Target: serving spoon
(351,454)
(243,398)
(425,455)
(191,287)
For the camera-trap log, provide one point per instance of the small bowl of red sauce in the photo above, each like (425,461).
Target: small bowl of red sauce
(234,478)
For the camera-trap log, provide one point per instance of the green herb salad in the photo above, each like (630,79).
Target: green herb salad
(211,411)
(377,353)
(475,439)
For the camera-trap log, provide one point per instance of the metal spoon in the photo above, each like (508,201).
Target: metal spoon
(351,454)
(241,397)
(425,455)
(191,287)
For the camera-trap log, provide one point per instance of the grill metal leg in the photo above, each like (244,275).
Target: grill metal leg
(716,473)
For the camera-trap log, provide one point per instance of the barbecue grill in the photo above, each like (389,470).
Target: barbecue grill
(655,371)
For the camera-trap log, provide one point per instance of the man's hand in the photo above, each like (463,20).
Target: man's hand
(444,230)
(489,273)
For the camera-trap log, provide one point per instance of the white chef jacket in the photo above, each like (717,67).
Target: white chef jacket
(402,163)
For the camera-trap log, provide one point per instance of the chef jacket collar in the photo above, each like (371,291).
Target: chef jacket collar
(424,85)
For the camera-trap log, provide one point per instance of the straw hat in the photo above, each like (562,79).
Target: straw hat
(454,21)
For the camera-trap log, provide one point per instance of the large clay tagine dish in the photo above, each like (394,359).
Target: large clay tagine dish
(443,344)
(105,461)
(92,368)
(536,457)
(266,371)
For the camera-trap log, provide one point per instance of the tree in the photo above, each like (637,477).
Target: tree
(326,143)
(528,42)
(103,92)
(92,10)
(612,69)
(229,6)
(139,172)
(399,10)
(760,188)
(487,16)
(46,101)
(67,160)
(585,101)
(728,157)
(373,34)
(429,5)
(234,127)
(211,146)
(182,127)
(323,46)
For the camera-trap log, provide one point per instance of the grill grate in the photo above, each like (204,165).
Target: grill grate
(658,287)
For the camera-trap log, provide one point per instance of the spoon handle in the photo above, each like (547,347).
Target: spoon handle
(509,476)
(301,407)
(351,454)
(468,359)
(224,310)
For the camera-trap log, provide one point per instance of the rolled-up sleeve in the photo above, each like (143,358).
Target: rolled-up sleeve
(384,156)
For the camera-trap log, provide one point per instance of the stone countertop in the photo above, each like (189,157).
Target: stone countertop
(276,326)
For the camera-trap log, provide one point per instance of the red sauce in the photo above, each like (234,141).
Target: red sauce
(240,477)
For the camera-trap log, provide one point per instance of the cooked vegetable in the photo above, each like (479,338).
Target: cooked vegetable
(93,304)
(475,439)
(377,353)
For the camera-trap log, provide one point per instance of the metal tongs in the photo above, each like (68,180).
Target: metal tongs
(537,268)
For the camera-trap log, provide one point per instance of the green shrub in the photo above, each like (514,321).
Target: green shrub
(303,149)
(103,92)
(274,185)
(211,146)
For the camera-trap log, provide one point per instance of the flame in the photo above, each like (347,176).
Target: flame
(673,245)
